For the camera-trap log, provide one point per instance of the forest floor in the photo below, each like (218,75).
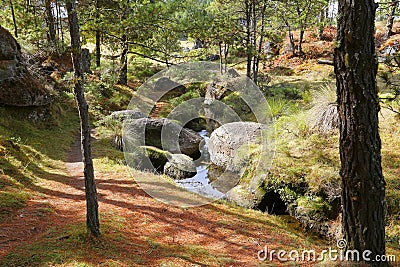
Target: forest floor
(137,230)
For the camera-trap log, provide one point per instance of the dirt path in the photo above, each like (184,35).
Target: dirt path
(61,202)
(212,229)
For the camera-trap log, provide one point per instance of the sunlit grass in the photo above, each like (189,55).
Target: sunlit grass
(28,151)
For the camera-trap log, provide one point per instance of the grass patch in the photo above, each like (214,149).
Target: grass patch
(31,148)
(70,246)
(12,200)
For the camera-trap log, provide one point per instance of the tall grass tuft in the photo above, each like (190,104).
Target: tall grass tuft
(324,115)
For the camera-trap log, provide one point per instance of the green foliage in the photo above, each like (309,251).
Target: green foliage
(106,97)
(282,106)
(314,206)
(142,69)
(193,91)
(284,92)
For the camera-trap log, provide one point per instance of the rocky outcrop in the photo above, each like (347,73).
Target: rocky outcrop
(175,139)
(180,166)
(18,86)
(226,141)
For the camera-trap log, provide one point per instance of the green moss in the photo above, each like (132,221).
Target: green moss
(12,200)
(314,206)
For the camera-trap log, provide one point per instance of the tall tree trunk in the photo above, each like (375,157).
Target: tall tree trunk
(221,63)
(261,41)
(291,41)
(123,71)
(300,45)
(390,20)
(50,22)
(98,48)
(57,19)
(321,27)
(363,185)
(60,23)
(98,35)
(254,43)
(226,53)
(13,18)
(248,37)
(92,217)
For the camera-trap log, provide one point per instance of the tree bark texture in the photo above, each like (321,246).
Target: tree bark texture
(92,218)
(363,185)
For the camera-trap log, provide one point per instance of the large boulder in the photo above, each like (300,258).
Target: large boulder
(175,139)
(18,86)
(149,158)
(229,142)
(180,166)
(237,148)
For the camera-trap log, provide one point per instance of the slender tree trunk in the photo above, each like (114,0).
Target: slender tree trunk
(92,217)
(261,41)
(60,23)
(98,48)
(248,37)
(254,43)
(13,18)
(321,25)
(363,185)
(291,40)
(221,63)
(300,45)
(390,20)
(98,35)
(57,20)
(123,71)
(226,53)
(50,22)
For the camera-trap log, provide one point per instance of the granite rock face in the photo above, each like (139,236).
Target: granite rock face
(180,166)
(166,135)
(18,85)
(226,141)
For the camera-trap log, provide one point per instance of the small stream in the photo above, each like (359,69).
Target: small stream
(200,183)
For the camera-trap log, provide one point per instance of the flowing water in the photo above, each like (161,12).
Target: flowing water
(200,183)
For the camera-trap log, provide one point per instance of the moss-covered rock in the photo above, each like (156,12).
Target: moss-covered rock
(18,86)
(180,166)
